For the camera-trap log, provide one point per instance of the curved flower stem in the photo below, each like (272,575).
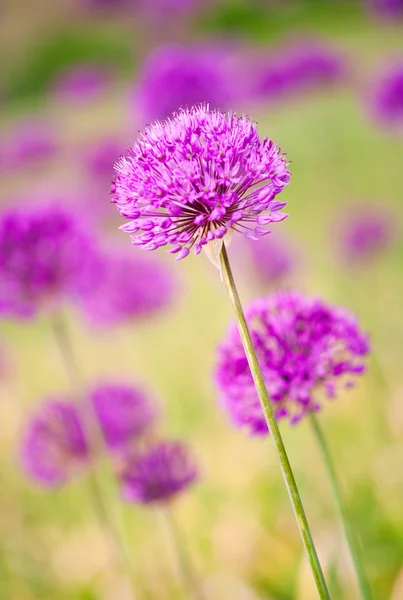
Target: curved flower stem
(336,490)
(267,408)
(179,549)
(104,510)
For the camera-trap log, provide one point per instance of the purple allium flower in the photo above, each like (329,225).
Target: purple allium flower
(45,257)
(54,446)
(31,140)
(158,474)
(193,178)
(83,82)
(387,101)
(304,347)
(364,233)
(272,259)
(124,412)
(387,9)
(297,68)
(128,287)
(176,76)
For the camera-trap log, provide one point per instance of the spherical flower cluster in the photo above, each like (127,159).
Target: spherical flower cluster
(193,178)
(54,447)
(45,257)
(124,412)
(298,68)
(364,234)
(128,287)
(387,100)
(82,82)
(158,474)
(304,348)
(387,9)
(176,76)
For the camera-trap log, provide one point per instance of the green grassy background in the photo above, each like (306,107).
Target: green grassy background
(237,521)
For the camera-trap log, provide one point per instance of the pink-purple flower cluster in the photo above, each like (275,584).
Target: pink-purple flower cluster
(158,474)
(387,9)
(175,77)
(304,347)
(46,257)
(193,178)
(387,101)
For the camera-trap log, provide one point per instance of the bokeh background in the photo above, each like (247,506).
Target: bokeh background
(237,520)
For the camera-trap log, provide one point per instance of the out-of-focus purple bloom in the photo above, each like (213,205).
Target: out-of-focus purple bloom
(387,101)
(54,446)
(158,474)
(365,232)
(304,347)
(31,140)
(83,82)
(387,9)
(301,66)
(193,178)
(46,257)
(128,287)
(175,77)
(272,259)
(100,157)
(125,412)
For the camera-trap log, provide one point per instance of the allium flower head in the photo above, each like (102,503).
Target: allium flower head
(128,287)
(387,101)
(193,178)
(124,412)
(45,257)
(387,9)
(54,447)
(365,232)
(82,82)
(158,474)
(304,348)
(178,76)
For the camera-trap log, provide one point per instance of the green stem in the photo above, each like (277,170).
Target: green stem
(336,490)
(267,408)
(181,553)
(107,516)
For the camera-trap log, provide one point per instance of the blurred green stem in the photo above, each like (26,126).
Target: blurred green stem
(267,408)
(181,553)
(336,491)
(104,507)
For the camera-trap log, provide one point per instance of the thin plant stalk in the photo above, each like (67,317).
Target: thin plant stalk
(104,510)
(336,491)
(181,553)
(271,421)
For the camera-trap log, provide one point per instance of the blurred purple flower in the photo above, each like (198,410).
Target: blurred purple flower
(31,139)
(157,474)
(387,9)
(54,446)
(46,256)
(304,347)
(175,77)
(193,178)
(299,67)
(82,82)
(387,100)
(128,287)
(365,232)
(124,412)
(100,156)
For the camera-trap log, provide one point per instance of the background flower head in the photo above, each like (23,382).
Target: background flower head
(46,257)
(124,412)
(129,286)
(176,76)
(54,445)
(387,9)
(304,348)
(387,98)
(158,474)
(30,140)
(85,81)
(193,178)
